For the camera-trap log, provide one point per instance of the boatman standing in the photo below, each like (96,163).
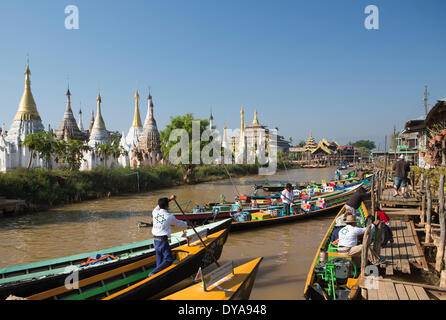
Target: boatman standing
(287,198)
(162,221)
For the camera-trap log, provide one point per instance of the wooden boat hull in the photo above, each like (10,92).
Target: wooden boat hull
(237,287)
(245,225)
(337,202)
(132,281)
(310,291)
(198,217)
(139,250)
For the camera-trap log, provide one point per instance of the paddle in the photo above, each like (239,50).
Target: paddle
(202,242)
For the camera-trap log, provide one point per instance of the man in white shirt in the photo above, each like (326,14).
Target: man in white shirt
(348,237)
(287,198)
(162,222)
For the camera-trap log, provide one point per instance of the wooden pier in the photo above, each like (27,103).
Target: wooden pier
(394,290)
(405,256)
(404,251)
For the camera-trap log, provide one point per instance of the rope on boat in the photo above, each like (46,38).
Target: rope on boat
(224,166)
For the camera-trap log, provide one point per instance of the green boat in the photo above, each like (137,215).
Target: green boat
(27,279)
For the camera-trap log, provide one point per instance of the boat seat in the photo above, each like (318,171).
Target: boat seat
(337,255)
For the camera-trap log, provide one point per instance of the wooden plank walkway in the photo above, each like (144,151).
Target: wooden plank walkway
(387,289)
(405,250)
(388,200)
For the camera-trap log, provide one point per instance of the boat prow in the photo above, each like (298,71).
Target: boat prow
(234,286)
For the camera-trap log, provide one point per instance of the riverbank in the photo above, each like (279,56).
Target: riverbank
(43,189)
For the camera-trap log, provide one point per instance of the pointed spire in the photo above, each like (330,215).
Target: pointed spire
(27,107)
(224,144)
(80,125)
(255,121)
(69,128)
(99,121)
(242,120)
(136,116)
(68,109)
(211,119)
(91,122)
(99,133)
(241,145)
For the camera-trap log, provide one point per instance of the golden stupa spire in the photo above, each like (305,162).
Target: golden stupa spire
(255,121)
(242,120)
(27,107)
(241,145)
(136,116)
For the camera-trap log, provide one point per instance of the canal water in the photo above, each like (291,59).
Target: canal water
(287,249)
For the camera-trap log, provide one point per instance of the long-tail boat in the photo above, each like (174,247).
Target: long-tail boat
(235,285)
(281,186)
(274,215)
(333,276)
(27,279)
(133,281)
(221,211)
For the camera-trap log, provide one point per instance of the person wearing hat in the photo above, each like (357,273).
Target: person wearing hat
(354,202)
(162,222)
(287,198)
(348,237)
(400,168)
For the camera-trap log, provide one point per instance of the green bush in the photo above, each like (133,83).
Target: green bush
(48,188)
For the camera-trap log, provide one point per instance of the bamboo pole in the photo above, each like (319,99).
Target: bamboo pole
(423,199)
(365,249)
(440,247)
(428,211)
(197,234)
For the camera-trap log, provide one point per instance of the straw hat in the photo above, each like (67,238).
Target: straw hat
(350,219)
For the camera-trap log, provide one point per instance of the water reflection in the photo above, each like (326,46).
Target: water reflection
(288,249)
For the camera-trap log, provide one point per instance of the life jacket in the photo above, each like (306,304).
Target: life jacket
(99,258)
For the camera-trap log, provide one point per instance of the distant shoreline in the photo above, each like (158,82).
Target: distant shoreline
(42,190)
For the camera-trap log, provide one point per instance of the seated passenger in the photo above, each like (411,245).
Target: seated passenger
(348,237)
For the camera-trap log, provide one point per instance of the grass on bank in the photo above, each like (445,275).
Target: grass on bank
(48,188)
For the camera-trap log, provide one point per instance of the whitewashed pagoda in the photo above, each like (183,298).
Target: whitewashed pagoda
(98,135)
(149,152)
(26,121)
(69,129)
(130,142)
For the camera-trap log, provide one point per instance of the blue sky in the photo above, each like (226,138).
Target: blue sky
(305,65)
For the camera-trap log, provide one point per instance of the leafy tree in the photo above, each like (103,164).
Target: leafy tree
(71,152)
(367,144)
(183,122)
(302,143)
(43,143)
(105,150)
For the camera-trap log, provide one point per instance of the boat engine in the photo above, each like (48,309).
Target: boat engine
(332,276)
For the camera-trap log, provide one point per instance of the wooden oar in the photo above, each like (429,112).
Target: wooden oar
(202,242)
(186,202)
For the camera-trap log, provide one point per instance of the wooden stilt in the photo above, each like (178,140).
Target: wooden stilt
(423,199)
(428,211)
(440,248)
